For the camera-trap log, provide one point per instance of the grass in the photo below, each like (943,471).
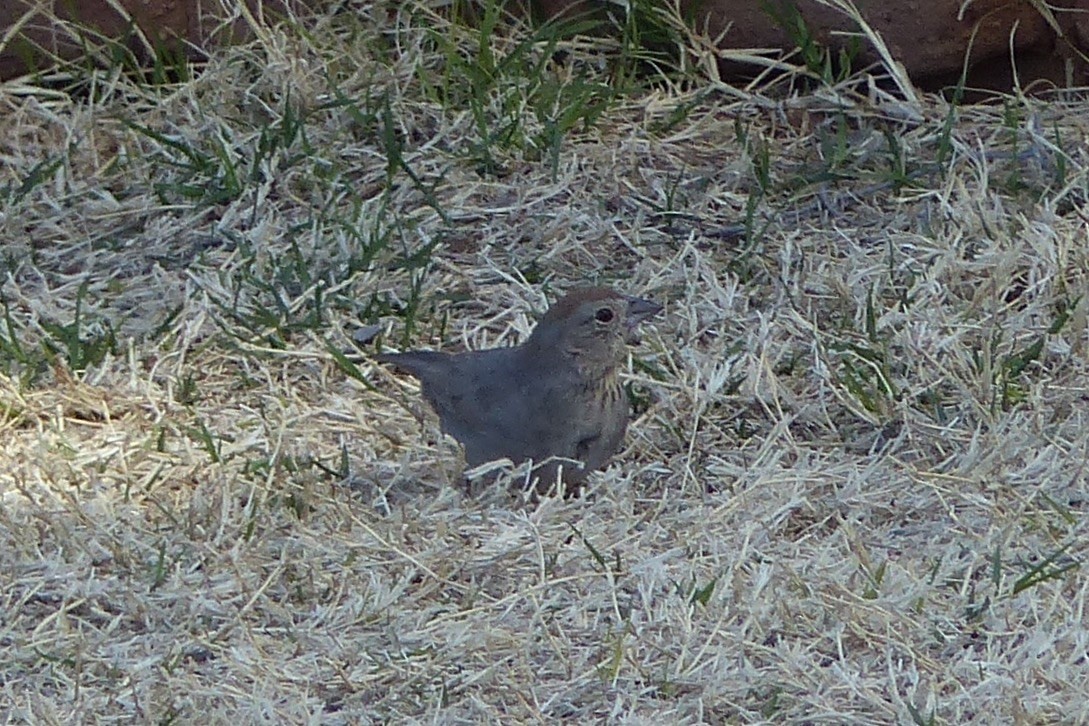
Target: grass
(853,490)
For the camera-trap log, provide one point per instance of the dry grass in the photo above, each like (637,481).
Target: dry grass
(854,492)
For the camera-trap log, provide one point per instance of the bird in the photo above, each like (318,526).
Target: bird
(555,400)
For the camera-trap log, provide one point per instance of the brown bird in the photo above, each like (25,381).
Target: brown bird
(555,395)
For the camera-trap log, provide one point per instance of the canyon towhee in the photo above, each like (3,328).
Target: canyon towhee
(555,395)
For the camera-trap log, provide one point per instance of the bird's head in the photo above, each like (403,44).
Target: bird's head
(592,325)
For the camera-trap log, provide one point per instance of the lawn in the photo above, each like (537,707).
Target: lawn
(854,488)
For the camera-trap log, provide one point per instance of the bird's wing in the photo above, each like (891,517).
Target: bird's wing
(505,409)
(499,404)
(481,399)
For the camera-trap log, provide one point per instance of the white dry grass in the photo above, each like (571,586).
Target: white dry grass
(853,495)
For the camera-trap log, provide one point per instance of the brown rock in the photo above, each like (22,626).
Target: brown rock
(49,30)
(928,37)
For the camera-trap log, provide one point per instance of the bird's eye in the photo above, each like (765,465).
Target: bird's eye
(604,315)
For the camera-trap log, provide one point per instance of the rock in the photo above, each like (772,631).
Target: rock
(930,38)
(63,29)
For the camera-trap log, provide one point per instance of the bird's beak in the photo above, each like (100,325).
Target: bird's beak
(638,311)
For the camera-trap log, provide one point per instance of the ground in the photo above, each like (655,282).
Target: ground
(852,491)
